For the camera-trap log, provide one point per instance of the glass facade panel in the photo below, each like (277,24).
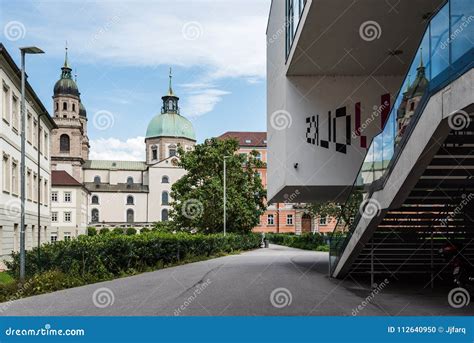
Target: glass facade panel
(439,48)
(461,38)
(294,9)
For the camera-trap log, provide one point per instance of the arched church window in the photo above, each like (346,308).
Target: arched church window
(64,143)
(97,179)
(164,215)
(74,107)
(95,199)
(165,179)
(56,106)
(95,215)
(64,106)
(164,198)
(130,200)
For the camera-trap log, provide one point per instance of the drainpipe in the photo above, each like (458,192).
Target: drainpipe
(278,217)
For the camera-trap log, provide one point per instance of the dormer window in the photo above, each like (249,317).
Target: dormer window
(248,141)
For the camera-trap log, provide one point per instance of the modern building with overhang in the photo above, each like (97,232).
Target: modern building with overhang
(370,106)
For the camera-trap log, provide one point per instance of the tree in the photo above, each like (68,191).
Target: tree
(343,212)
(198,196)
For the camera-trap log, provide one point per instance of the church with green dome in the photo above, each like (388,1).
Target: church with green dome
(119,193)
(168,129)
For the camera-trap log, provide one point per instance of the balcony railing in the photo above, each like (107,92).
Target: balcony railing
(445,52)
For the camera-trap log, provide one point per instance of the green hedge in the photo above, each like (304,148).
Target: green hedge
(307,241)
(106,256)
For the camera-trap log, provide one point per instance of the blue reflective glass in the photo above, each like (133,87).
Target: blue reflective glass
(462,27)
(439,34)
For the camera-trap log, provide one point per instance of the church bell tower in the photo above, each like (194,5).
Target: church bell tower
(70,144)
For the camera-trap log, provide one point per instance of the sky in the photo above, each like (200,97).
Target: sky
(122,51)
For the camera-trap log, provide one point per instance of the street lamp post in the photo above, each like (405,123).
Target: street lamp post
(24,51)
(225,195)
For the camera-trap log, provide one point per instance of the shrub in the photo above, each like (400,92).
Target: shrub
(117,231)
(323,248)
(91,231)
(103,257)
(49,281)
(104,231)
(307,241)
(131,231)
(164,226)
(144,230)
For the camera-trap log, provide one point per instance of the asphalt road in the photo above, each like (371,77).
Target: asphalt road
(274,281)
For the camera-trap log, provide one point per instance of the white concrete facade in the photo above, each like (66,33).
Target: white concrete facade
(329,90)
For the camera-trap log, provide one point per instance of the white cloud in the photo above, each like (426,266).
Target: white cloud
(132,149)
(202,101)
(223,38)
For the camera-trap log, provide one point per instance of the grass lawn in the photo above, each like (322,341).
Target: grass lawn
(5,278)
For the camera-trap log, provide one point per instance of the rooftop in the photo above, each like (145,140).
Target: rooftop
(247,139)
(115,165)
(62,178)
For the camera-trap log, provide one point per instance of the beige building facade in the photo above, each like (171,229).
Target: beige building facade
(37,134)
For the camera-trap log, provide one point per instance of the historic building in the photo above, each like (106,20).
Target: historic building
(119,193)
(287,216)
(38,175)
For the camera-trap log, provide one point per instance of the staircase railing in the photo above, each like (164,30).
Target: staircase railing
(444,53)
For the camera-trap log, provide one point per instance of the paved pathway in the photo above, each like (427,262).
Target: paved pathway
(274,281)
